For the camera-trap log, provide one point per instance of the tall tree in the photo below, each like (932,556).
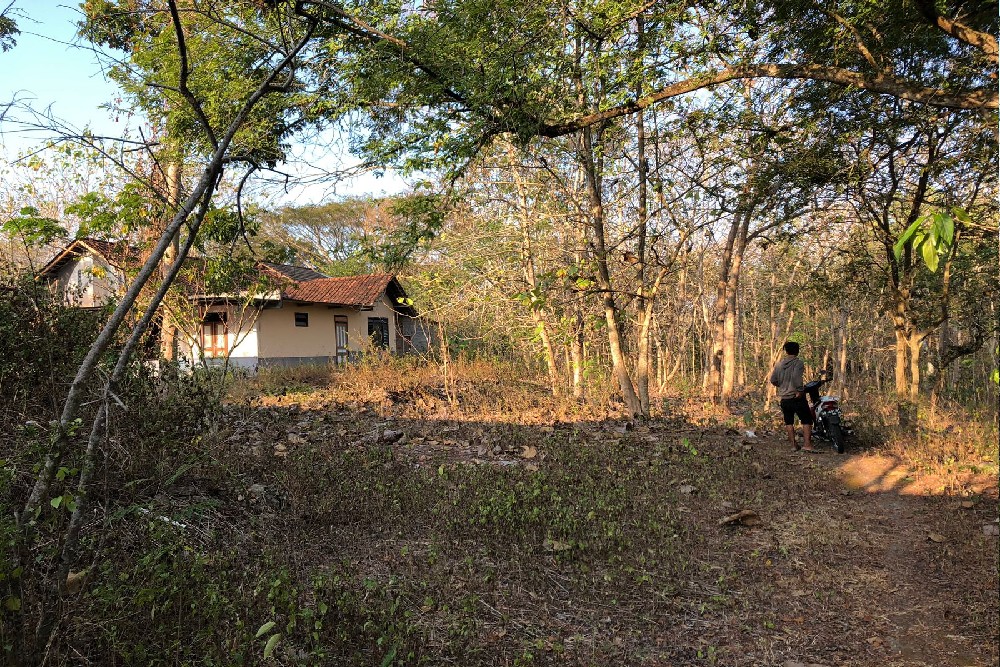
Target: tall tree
(912,163)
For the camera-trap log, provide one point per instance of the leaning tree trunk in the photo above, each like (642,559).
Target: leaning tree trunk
(68,421)
(72,537)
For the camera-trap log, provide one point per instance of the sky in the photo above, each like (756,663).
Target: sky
(58,73)
(47,70)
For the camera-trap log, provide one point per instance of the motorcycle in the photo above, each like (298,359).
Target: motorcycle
(827,419)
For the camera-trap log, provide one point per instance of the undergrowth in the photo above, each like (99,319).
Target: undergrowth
(279,526)
(947,437)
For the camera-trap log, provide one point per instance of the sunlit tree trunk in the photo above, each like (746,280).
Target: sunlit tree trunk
(168,331)
(620,368)
(538,311)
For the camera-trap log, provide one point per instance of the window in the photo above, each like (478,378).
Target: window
(340,327)
(214,335)
(378,332)
(301,319)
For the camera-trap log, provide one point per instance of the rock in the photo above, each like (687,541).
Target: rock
(743,518)
(389,436)
(991,529)
(256,491)
(76,580)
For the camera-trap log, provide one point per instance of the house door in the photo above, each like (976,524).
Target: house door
(378,332)
(340,326)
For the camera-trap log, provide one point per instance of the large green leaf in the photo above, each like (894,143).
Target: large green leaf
(930,254)
(897,247)
(264,629)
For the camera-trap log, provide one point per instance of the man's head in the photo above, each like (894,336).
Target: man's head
(792,348)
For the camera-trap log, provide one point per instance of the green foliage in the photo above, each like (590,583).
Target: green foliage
(226,227)
(931,236)
(41,343)
(33,229)
(228,54)
(420,217)
(130,209)
(8,29)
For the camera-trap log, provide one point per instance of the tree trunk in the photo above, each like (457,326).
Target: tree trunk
(642,362)
(842,341)
(599,241)
(718,316)
(538,311)
(902,347)
(914,343)
(645,323)
(168,327)
(577,354)
(732,285)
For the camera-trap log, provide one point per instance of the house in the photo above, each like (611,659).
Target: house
(297,315)
(89,272)
(308,318)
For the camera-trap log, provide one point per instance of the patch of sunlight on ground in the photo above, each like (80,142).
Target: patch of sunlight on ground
(879,475)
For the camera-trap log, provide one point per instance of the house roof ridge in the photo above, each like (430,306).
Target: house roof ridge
(355,276)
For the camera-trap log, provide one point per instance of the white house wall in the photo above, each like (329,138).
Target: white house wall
(87,282)
(242,342)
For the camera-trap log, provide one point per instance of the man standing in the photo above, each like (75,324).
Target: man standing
(788,378)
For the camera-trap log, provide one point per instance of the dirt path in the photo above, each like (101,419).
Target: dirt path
(923,563)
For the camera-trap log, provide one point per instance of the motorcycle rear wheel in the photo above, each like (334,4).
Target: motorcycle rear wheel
(837,436)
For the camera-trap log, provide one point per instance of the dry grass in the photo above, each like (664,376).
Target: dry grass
(948,437)
(411,387)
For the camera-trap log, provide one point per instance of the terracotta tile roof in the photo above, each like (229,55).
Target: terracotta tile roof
(296,273)
(116,253)
(362,291)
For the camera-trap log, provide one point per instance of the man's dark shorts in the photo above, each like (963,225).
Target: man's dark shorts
(796,406)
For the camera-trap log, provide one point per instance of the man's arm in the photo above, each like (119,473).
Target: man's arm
(775,380)
(800,371)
